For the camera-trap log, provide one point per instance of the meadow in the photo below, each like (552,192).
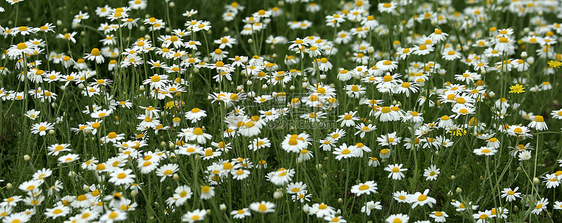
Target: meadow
(280,111)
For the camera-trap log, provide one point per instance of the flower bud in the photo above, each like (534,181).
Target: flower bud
(176,177)
(459,190)
(278,195)
(222,207)
(26,157)
(306,208)
(134,193)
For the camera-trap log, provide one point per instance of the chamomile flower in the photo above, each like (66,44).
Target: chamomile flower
(263,207)
(397,217)
(395,171)
(540,206)
(42,128)
(364,188)
(421,199)
(431,173)
(193,216)
(241,213)
(122,177)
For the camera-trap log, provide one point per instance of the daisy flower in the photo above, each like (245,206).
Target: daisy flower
(344,152)
(485,151)
(439,216)
(31,185)
(167,171)
(297,187)
(540,206)
(431,173)
(321,210)
(55,149)
(181,195)
(538,123)
(207,192)
(241,213)
(364,188)
(58,211)
(113,216)
(122,177)
(395,171)
(42,128)
(69,158)
(421,199)
(280,176)
(193,216)
(263,207)
(397,217)
(32,114)
(370,206)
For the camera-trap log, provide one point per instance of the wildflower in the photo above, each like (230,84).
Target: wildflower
(439,216)
(41,128)
(69,158)
(397,218)
(207,192)
(301,196)
(114,215)
(122,177)
(68,36)
(485,151)
(17,217)
(540,206)
(364,188)
(431,173)
(31,185)
(482,216)
(516,89)
(395,171)
(538,123)
(344,152)
(95,55)
(58,211)
(369,206)
(281,176)
(241,213)
(263,207)
(193,216)
(167,171)
(321,210)
(554,64)
(421,199)
(388,7)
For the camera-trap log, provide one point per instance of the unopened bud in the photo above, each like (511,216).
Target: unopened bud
(26,157)
(278,195)
(536,180)
(222,207)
